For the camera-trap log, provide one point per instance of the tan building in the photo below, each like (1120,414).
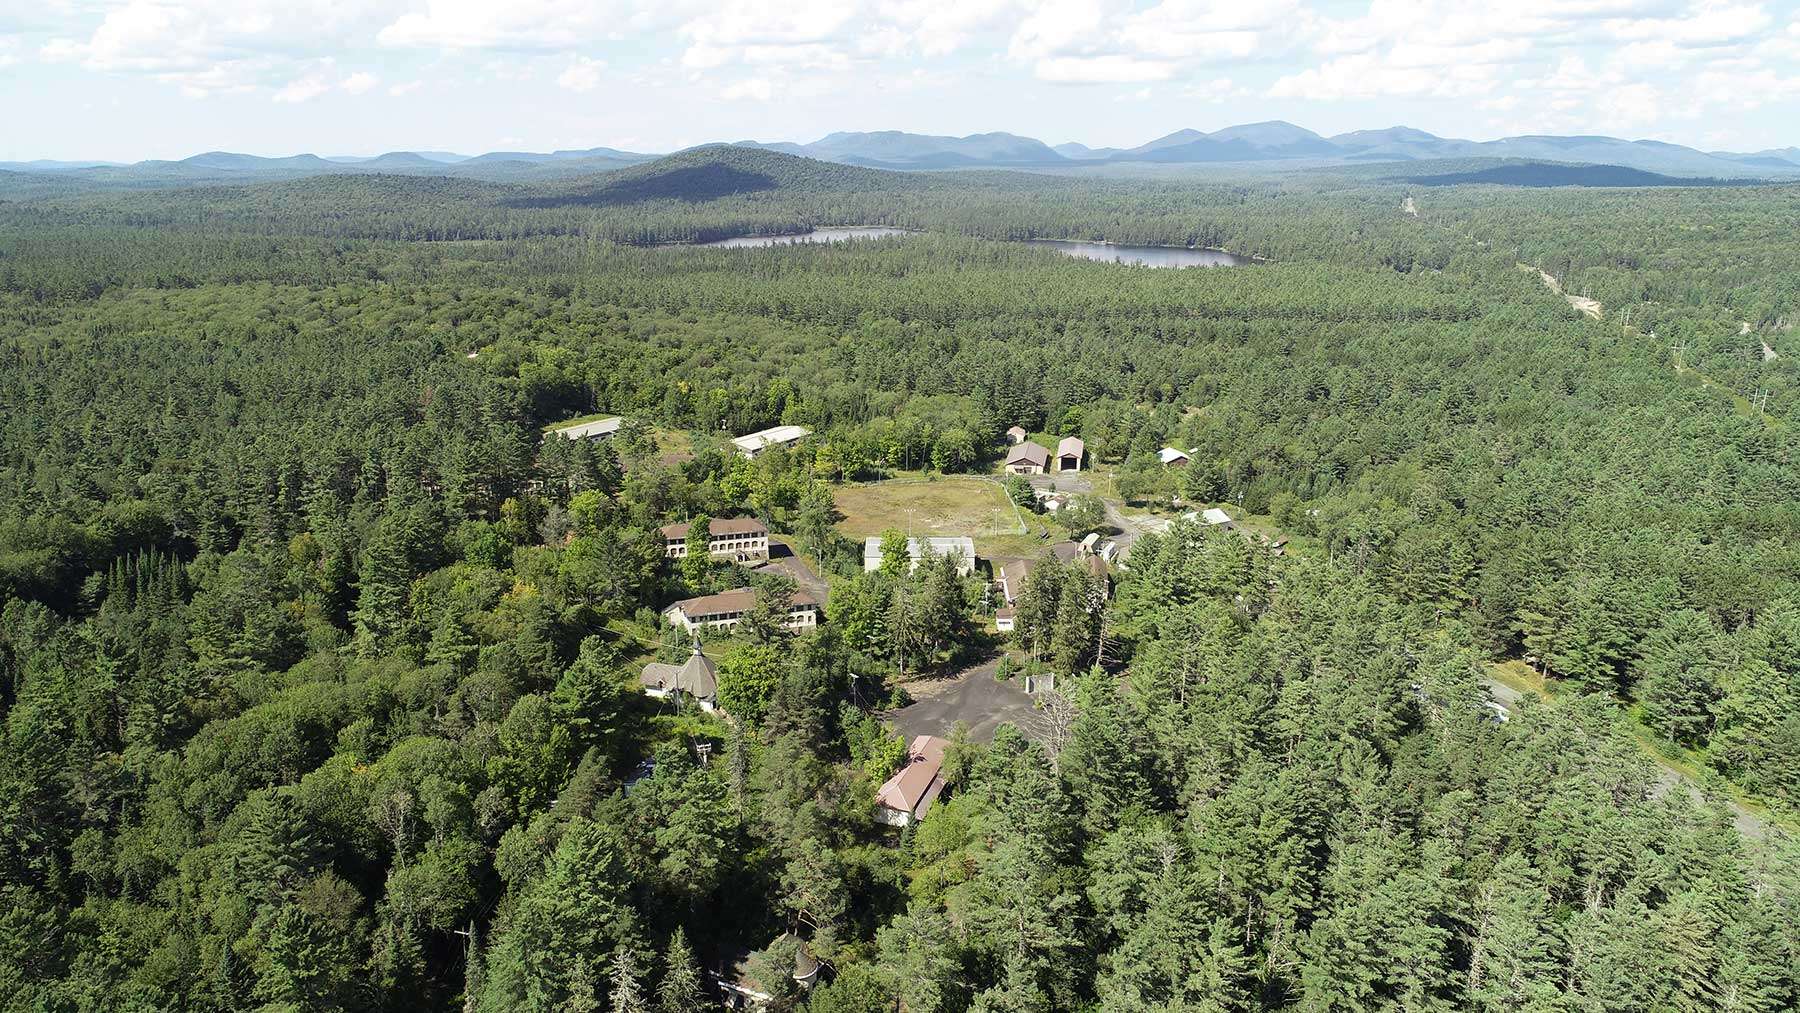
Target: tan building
(1027,459)
(1016,435)
(723,611)
(741,538)
(1069,454)
(906,796)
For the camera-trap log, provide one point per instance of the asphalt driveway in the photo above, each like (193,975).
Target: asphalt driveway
(973,696)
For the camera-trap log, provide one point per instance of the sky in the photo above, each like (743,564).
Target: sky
(132,79)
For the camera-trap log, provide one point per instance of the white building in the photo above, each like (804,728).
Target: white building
(755,443)
(1169,456)
(1218,518)
(591,430)
(961,546)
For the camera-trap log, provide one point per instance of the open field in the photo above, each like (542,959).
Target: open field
(947,506)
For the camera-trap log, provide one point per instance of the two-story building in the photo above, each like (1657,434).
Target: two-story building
(740,538)
(723,611)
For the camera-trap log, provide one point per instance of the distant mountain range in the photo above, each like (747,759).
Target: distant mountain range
(1271,143)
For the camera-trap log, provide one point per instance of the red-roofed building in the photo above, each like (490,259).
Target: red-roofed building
(906,796)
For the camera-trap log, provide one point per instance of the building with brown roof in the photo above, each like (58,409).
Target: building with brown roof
(723,611)
(906,796)
(1012,579)
(741,538)
(1027,459)
(1069,454)
(698,677)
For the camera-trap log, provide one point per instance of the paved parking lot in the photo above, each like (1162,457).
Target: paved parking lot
(973,696)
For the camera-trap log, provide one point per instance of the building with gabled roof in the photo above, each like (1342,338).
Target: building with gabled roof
(1027,459)
(960,546)
(1016,435)
(751,444)
(1069,454)
(905,797)
(596,430)
(1170,457)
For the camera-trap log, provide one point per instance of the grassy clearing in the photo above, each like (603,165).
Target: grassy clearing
(947,506)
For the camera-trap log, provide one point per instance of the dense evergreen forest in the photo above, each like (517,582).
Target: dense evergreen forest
(319,658)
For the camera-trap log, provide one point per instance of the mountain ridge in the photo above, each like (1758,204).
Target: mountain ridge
(1267,142)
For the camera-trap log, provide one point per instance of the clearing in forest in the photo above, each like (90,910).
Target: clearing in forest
(946,506)
(1582,304)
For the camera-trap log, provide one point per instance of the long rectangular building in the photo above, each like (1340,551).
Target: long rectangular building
(741,538)
(961,546)
(723,611)
(751,444)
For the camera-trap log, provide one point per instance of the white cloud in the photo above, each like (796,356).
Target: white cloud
(9,51)
(208,46)
(406,87)
(583,75)
(1107,69)
(303,89)
(525,24)
(757,89)
(360,82)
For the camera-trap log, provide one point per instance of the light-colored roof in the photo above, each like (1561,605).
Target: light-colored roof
(1213,515)
(719,528)
(1169,455)
(917,784)
(1070,447)
(1016,431)
(589,430)
(916,547)
(738,599)
(750,443)
(1028,453)
(697,677)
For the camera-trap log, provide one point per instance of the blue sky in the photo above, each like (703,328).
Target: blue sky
(131,79)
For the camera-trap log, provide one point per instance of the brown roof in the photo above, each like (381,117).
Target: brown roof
(738,599)
(1028,453)
(1070,447)
(913,788)
(1014,574)
(719,528)
(1065,551)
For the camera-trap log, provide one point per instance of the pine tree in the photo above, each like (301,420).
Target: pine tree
(680,990)
(627,983)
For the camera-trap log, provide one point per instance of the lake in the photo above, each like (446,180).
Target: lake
(1148,256)
(828,235)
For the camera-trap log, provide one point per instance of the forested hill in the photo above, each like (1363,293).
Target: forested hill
(321,662)
(710,173)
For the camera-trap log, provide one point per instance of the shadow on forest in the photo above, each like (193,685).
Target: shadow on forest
(696,184)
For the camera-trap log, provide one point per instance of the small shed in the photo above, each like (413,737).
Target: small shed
(1171,458)
(1016,435)
(1218,518)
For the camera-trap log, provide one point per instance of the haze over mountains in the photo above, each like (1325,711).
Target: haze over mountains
(1271,143)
